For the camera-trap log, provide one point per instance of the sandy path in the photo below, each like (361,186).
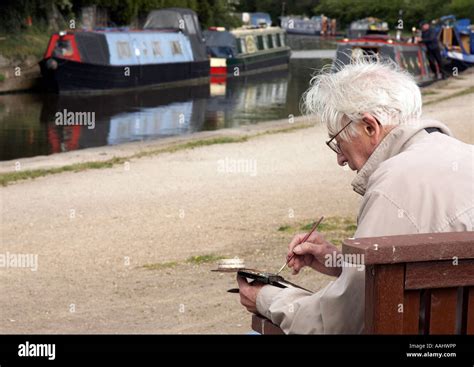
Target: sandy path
(93,231)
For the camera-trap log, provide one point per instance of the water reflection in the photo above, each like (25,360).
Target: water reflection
(238,101)
(157,122)
(28,128)
(124,117)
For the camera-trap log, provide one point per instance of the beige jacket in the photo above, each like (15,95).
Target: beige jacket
(414,182)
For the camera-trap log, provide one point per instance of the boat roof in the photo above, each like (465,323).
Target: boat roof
(377,39)
(169,18)
(185,20)
(221,39)
(243,31)
(134,30)
(371,23)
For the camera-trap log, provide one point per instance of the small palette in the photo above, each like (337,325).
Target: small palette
(230,265)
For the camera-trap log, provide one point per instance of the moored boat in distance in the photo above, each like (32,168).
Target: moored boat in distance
(316,25)
(366,26)
(257,19)
(409,56)
(457,37)
(246,50)
(169,51)
(301,25)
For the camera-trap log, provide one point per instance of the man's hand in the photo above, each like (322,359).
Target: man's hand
(248,293)
(312,253)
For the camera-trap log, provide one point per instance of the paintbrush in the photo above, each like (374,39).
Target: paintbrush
(236,290)
(302,241)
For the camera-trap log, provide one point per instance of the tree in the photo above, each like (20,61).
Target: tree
(414,11)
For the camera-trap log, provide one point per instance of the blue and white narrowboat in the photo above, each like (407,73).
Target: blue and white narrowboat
(170,50)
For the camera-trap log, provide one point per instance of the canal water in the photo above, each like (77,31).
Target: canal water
(28,121)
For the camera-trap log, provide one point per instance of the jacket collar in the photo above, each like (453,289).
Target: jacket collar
(394,143)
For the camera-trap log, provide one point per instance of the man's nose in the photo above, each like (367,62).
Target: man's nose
(341,159)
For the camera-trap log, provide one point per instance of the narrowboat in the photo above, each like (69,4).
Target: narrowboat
(366,26)
(168,51)
(256,19)
(300,25)
(457,37)
(409,56)
(316,25)
(246,50)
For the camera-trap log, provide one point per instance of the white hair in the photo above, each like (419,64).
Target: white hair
(343,93)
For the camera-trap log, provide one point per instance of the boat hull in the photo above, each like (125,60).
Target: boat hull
(305,32)
(250,64)
(459,56)
(72,76)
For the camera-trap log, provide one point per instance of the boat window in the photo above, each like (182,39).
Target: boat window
(239,45)
(409,60)
(191,29)
(278,41)
(269,41)
(144,48)
(274,40)
(156,48)
(282,39)
(260,43)
(220,51)
(63,48)
(265,41)
(243,45)
(123,50)
(176,48)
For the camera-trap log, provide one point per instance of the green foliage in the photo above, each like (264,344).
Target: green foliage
(218,12)
(31,42)
(210,12)
(14,14)
(276,8)
(462,8)
(414,11)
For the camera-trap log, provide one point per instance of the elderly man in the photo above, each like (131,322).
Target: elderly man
(414,177)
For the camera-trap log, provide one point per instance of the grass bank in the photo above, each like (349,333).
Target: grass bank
(450,96)
(9,177)
(335,229)
(193,260)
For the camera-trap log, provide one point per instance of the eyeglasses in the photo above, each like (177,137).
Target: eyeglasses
(333,144)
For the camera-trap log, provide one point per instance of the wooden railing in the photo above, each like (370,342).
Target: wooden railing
(414,284)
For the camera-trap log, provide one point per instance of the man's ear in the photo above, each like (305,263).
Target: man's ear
(372,128)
